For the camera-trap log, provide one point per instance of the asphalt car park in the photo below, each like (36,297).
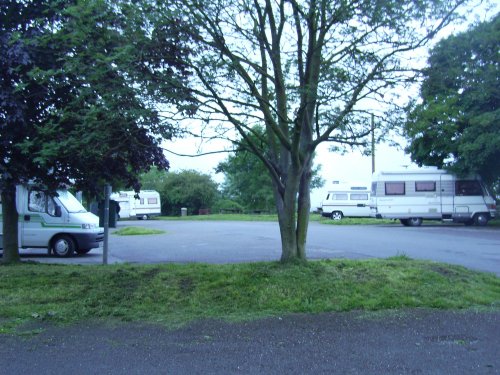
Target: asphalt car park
(230,242)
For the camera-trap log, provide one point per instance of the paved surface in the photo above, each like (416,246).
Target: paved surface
(227,242)
(401,342)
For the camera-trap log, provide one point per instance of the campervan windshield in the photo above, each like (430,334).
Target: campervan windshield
(68,200)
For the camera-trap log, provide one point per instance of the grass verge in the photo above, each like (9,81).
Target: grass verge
(223,217)
(137,231)
(176,294)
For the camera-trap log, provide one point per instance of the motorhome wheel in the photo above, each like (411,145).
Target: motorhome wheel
(481,219)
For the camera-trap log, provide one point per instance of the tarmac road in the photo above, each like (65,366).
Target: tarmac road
(229,242)
(398,342)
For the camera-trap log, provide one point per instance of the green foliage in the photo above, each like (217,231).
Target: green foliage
(154,179)
(228,206)
(457,125)
(176,294)
(189,189)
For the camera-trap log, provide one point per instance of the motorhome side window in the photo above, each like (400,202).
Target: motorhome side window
(468,187)
(38,201)
(152,201)
(425,186)
(394,188)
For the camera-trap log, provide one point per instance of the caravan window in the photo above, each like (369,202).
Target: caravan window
(152,201)
(468,187)
(394,188)
(425,186)
(359,197)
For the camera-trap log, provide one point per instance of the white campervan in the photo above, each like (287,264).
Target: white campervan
(431,194)
(346,200)
(56,222)
(145,206)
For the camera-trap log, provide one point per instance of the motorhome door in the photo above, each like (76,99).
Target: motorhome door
(447,190)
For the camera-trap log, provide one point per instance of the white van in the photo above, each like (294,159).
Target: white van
(346,200)
(147,205)
(431,194)
(59,223)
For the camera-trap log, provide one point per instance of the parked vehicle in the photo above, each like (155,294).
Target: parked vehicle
(57,222)
(143,206)
(346,200)
(431,194)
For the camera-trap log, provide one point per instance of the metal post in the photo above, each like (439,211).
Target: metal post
(107,193)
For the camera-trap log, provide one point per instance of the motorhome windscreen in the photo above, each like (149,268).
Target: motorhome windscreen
(68,200)
(468,188)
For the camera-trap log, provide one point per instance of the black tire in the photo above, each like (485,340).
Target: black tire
(63,246)
(481,219)
(415,221)
(337,215)
(404,222)
(82,251)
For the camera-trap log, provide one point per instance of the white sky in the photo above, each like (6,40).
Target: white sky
(351,167)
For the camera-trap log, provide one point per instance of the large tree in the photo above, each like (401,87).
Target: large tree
(246,180)
(78,84)
(307,72)
(456,124)
(188,189)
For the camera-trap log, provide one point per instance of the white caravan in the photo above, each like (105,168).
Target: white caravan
(431,194)
(59,223)
(346,200)
(146,206)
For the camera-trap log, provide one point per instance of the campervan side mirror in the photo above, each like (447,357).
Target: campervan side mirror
(58,212)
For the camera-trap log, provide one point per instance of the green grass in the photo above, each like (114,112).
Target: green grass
(176,294)
(137,231)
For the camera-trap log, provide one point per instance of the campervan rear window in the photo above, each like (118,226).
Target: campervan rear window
(425,186)
(468,187)
(394,188)
(359,197)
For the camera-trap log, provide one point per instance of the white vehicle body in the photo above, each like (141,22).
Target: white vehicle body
(148,204)
(346,200)
(59,223)
(432,194)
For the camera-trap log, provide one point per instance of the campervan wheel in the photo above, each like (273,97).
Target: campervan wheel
(337,215)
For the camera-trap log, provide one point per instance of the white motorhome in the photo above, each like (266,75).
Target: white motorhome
(145,206)
(346,200)
(59,223)
(431,194)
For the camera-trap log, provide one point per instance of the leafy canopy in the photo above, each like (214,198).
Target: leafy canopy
(79,85)
(457,123)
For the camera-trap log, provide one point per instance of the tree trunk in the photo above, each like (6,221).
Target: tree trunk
(10,226)
(293,216)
